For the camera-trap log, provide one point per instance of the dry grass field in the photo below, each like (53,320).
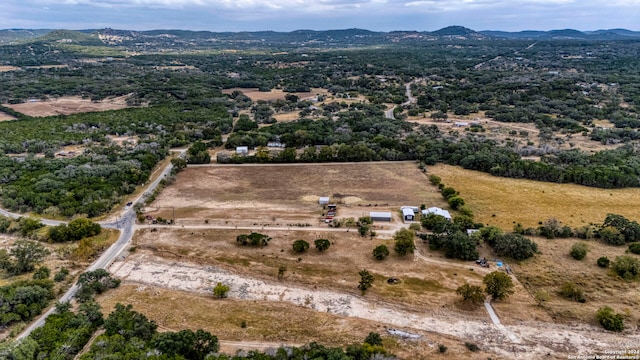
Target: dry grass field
(68,105)
(5,68)
(503,202)
(423,284)
(281,194)
(296,326)
(546,273)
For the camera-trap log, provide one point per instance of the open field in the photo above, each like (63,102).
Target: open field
(503,201)
(275,94)
(68,105)
(548,271)
(296,326)
(335,269)
(273,194)
(6,117)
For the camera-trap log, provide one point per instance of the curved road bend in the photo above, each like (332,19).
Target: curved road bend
(126,224)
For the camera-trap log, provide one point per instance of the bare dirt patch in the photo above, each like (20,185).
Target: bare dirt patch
(272,194)
(68,105)
(503,201)
(6,117)
(255,94)
(5,68)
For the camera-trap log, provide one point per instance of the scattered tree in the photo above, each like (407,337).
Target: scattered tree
(373,339)
(380,252)
(22,256)
(300,246)
(322,244)
(498,285)
(404,242)
(515,246)
(635,248)
(471,294)
(366,281)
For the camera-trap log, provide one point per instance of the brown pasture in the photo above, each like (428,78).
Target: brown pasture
(504,202)
(296,325)
(288,194)
(553,267)
(68,105)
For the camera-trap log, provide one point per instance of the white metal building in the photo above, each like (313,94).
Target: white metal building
(380,216)
(436,210)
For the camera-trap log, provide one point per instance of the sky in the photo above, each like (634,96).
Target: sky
(288,15)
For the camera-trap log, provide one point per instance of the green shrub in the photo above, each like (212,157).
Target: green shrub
(635,248)
(579,250)
(626,267)
(472,347)
(380,252)
(300,246)
(515,246)
(609,319)
(442,348)
(572,291)
(603,262)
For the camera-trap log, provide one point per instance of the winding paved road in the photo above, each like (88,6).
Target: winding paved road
(125,224)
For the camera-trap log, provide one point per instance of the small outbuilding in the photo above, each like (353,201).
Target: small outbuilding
(380,216)
(415,209)
(408,214)
(323,200)
(242,150)
(437,211)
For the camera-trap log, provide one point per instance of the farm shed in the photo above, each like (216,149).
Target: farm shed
(415,209)
(242,150)
(461,123)
(408,214)
(380,216)
(324,200)
(436,210)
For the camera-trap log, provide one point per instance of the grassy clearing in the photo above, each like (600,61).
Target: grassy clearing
(423,284)
(503,202)
(548,271)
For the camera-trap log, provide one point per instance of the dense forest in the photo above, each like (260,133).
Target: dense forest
(564,88)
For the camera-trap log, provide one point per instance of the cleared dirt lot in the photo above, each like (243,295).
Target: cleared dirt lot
(272,194)
(68,105)
(6,117)
(255,94)
(504,202)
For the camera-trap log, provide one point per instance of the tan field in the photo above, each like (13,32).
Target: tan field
(68,105)
(504,202)
(6,117)
(548,271)
(283,194)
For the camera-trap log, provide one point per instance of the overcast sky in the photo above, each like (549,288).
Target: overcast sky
(287,15)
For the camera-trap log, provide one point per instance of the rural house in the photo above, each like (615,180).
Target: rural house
(436,210)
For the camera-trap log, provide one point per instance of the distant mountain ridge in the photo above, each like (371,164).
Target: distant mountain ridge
(352,36)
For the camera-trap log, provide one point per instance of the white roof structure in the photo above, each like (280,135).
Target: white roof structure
(407,211)
(378,215)
(323,200)
(242,150)
(436,210)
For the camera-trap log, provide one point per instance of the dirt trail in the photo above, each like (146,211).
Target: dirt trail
(524,340)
